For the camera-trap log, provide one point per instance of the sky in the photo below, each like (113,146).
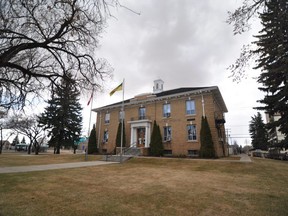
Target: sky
(186,43)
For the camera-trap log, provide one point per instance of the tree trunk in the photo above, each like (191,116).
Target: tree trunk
(29,149)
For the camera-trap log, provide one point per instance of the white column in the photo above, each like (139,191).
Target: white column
(134,132)
(132,137)
(147,136)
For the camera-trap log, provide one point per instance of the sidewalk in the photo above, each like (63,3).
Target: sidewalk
(245,158)
(18,169)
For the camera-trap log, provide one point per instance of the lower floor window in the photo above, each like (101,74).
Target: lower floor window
(191,131)
(106,136)
(167,133)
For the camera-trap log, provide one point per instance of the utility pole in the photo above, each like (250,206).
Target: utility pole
(228,130)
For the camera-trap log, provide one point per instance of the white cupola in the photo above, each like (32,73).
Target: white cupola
(158,86)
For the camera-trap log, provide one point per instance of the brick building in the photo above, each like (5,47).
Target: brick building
(178,113)
(275,136)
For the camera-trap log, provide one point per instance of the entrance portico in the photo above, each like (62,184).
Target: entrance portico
(140,133)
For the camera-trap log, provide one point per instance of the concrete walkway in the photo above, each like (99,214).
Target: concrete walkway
(245,158)
(18,169)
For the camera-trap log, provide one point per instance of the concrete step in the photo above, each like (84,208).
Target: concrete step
(116,158)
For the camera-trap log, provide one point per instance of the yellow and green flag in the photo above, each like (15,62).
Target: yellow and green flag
(118,88)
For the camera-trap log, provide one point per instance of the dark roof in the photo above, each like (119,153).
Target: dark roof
(178,91)
(173,92)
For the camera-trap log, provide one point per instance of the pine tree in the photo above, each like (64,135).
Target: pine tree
(118,136)
(207,149)
(258,132)
(92,141)
(273,61)
(156,145)
(271,55)
(23,141)
(62,117)
(15,140)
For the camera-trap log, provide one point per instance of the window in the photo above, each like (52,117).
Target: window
(121,115)
(167,152)
(107,118)
(167,133)
(193,153)
(191,130)
(166,110)
(190,107)
(106,136)
(142,113)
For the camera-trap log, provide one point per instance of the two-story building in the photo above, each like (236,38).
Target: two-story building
(178,113)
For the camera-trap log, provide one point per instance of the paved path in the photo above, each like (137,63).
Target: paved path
(245,158)
(17,169)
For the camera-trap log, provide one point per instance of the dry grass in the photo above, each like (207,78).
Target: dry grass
(23,159)
(150,187)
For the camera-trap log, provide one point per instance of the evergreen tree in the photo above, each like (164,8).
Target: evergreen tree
(118,137)
(62,117)
(92,141)
(15,140)
(273,60)
(156,145)
(258,132)
(271,55)
(207,149)
(23,141)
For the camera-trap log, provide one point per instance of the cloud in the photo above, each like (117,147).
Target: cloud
(185,43)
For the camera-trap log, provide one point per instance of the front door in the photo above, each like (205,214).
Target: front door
(141,137)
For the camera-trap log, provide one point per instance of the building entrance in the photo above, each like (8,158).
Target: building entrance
(141,137)
(140,133)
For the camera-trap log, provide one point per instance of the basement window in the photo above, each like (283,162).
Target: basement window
(193,153)
(167,152)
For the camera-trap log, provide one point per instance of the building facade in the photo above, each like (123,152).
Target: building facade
(275,135)
(178,112)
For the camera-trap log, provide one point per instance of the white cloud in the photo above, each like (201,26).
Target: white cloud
(185,43)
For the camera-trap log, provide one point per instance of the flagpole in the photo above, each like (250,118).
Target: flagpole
(91,102)
(122,121)
(203,105)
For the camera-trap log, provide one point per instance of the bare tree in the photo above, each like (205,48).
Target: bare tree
(28,126)
(42,40)
(240,18)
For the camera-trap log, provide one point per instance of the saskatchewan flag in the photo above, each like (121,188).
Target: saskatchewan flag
(118,88)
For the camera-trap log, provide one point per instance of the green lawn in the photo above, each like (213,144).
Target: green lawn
(148,186)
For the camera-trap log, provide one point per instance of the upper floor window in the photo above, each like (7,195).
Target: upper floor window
(142,113)
(166,110)
(107,118)
(191,131)
(190,107)
(167,133)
